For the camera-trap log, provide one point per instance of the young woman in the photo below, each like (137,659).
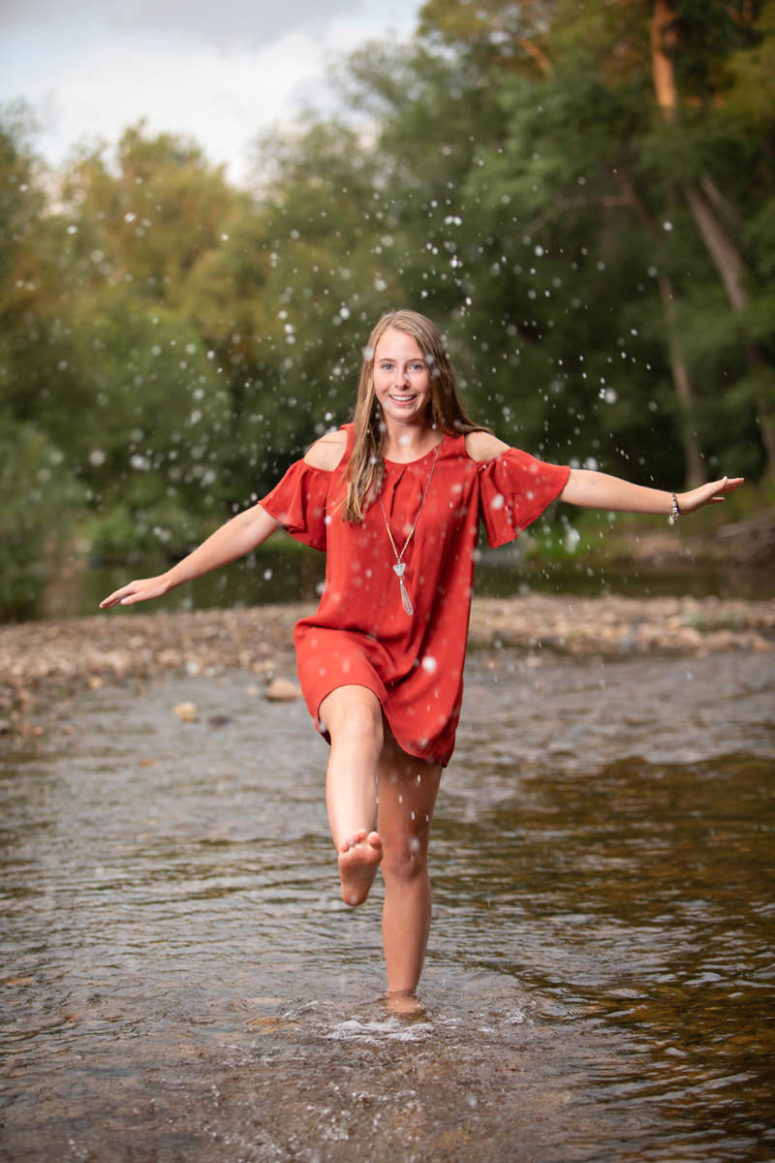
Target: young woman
(395,500)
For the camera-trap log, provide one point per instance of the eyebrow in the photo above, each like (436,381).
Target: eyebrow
(394,359)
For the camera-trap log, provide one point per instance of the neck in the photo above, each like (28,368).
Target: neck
(410,442)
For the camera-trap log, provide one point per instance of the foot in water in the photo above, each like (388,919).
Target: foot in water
(404,1003)
(358,860)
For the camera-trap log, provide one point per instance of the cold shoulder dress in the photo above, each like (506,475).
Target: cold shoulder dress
(361,633)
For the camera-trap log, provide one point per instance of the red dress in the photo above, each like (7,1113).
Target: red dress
(361,633)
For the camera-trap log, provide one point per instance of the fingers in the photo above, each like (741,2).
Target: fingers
(134,591)
(719,489)
(117,596)
(732,483)
(713,493)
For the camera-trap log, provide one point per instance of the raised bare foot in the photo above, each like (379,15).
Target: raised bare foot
(358,860)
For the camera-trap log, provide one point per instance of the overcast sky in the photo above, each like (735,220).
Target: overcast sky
(217,70)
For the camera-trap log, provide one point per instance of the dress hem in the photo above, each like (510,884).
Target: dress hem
(382,698)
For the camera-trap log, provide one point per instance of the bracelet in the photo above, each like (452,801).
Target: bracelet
(675,512)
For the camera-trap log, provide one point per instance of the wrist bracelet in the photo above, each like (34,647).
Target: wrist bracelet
(675,512)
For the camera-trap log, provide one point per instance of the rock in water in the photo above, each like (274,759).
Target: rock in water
(186,712)
(282,690)
(219,720)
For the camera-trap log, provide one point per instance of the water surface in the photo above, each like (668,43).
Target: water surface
(180,981)
(272,574)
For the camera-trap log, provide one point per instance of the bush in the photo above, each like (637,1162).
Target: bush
(38,496)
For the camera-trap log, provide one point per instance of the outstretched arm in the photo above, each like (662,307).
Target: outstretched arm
(598,490)
(237,537)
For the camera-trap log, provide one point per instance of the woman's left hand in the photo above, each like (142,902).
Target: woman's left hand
(710,494)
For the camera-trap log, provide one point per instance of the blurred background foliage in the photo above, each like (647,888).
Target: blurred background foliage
(581,196)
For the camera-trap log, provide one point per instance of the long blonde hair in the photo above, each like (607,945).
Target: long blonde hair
(447,413)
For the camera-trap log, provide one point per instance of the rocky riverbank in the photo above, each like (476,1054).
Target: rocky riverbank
(44,664)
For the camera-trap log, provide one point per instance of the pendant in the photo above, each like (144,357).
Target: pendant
(398,570)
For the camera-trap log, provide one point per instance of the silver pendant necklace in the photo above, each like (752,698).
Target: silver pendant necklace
(400,566)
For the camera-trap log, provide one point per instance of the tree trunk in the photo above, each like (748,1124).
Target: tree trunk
(721,247)
(719,243)
(709,208)
(661,28)
(695,468)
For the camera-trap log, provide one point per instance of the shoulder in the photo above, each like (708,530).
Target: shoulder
(483,446)
(327,452)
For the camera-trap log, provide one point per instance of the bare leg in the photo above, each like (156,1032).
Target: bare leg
(353,717)
(407,797)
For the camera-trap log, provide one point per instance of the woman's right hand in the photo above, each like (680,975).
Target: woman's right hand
(141,590)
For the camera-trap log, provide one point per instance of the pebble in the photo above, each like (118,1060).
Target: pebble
(282,690)
(219,720)
(186,712)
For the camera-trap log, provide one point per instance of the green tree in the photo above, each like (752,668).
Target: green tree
(38,497)
(592,75)
(38,493)
(323,246)
(147,216)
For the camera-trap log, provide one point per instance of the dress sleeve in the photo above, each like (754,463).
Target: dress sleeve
(299,503)
(515,488)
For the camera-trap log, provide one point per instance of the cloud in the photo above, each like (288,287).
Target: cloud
(220,99)
(225,22)
(86,81)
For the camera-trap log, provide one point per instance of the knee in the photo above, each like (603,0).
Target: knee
(404,861)
(360,722)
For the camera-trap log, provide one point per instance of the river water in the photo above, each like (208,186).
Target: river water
(272,574)
(180,981)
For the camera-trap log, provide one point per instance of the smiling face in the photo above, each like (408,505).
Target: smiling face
(402,382)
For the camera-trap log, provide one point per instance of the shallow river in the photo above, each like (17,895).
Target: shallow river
(180,982)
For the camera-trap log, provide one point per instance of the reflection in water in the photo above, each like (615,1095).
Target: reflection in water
(271,575)
(181,981)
